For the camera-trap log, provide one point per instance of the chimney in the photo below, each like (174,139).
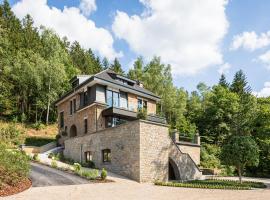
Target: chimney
(140,84)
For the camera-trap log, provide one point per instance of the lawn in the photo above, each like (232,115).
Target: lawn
(215,184)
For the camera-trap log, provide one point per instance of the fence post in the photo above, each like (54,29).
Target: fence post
(197,139)
(175,136)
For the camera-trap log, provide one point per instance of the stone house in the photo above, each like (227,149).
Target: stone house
(98,122)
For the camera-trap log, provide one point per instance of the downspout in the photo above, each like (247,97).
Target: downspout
(96,120)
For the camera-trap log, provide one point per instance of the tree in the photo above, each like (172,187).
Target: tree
(240,84)
(116,67)
(137,72)
(105,63)
(223,82)
(240,151)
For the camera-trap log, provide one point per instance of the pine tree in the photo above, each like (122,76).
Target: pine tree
(223,82)
(240,84)
(105,63)
(116,67)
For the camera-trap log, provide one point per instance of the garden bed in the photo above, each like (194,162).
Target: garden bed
(6,190)
(215,184)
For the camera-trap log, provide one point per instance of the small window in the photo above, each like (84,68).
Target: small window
(85,126)
(106,155)
(145,105)
(140,104)
(74,105)
(88,156)
(62,119)
(70,108)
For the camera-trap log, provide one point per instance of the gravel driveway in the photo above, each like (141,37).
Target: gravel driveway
(42,175)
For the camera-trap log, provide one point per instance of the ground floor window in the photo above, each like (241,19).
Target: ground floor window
(88,156)
(114,121)
(106,155)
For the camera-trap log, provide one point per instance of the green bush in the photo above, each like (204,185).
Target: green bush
(215,184)
(36,157)
(54,164)
(37,141)
(210,156)
(90,174)
(38,126)
(11,135)
(14,166)
(142,114)
(77,167)
(89,164)
(103,174)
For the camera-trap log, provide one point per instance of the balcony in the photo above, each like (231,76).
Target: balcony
(119,112)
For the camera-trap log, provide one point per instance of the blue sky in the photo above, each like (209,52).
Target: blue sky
(128,38)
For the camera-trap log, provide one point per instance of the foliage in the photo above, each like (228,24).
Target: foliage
(38,126)
(11,134)
(240,151)
(215,184)
(89,164)
(14,165)
(141,114)
(54,164)
(36,157)
(37,141)
(77,167)
(210,156)
(90,174)
(103,174)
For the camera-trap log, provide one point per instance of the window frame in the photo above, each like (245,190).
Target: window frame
(85,125)
(70,107)
(62,121)
(74,105)
(106,156)
(88,154)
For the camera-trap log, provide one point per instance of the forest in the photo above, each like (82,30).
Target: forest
(36,66)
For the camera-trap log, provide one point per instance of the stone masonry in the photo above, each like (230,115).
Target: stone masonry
(140,150)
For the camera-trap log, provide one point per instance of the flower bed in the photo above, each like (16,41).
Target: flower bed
(215,184)
(22,185)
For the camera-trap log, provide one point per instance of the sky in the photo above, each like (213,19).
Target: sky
(200,39)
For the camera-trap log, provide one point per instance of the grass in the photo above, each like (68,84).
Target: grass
(215,184)
(37,141)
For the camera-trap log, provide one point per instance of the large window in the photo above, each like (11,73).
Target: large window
(123,100)
(62,119)
(88,156)
(106,155)
(85,126)
(115,99)
(109,98)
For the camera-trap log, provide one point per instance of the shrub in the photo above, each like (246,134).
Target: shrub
(38,126)
(36,157)
(142,114)
(210,156)
(89,164)
(90,174)
(103,174)
(11,135)
(54,164)
(77,167)
(37,141)
(14,166)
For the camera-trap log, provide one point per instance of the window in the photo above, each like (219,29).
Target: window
(106,155)
(74,105)
(70,108)
(145,105)
(140,105)
(109,98)
(113,121)
(112,98)
(115,99)
(85,126)
(123,100)
(88,156)
(85,98)
(62,119)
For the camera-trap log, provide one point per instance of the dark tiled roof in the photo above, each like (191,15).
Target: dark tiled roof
(109,76)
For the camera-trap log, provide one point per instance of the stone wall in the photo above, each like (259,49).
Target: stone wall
(123,141)
(193,150)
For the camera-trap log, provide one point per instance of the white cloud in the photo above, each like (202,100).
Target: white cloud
(250,41)
(87,6)
(265,58)
(185,33)
(68,22)
(224,69)
(265,92)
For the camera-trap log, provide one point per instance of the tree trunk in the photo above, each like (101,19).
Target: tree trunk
(239,174)
(48,105)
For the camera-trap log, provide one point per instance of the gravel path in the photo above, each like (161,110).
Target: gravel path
(45,176)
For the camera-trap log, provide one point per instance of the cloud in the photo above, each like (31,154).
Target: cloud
(224,69)
(185,33)
(250,41)
(265,58)
(265,91)
(87,6)
(68,22)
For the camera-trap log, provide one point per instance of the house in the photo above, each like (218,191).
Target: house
(98,122)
